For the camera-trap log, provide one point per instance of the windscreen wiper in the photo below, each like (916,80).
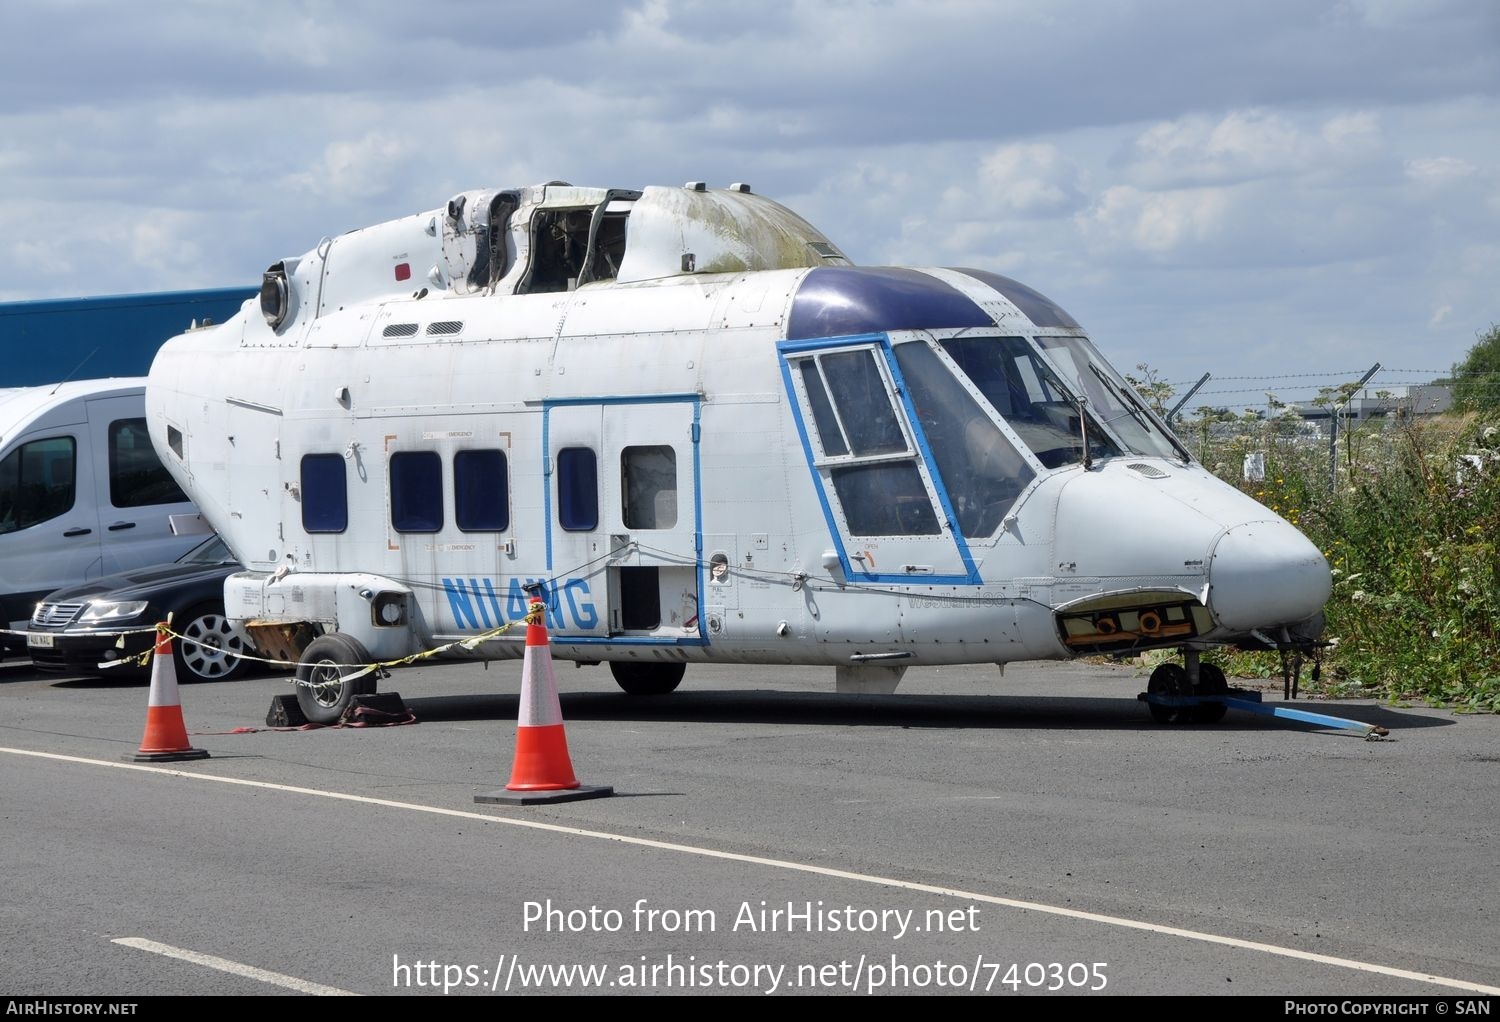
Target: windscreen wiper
(1138,412)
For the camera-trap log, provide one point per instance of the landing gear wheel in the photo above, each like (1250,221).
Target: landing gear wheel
(1211,682)
(648,679)
(1168,680)
(322,693)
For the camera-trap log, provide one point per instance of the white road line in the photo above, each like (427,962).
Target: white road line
(225,965)
(801,867)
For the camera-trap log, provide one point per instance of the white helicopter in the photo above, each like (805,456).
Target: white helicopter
(702,434)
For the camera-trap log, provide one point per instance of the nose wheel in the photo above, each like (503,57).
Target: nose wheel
(1175,681)
(1167,680)
(1198,693)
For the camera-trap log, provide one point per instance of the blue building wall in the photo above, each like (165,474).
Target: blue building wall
(107,335)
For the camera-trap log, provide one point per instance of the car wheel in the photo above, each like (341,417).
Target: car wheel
(209,649)
(323,693)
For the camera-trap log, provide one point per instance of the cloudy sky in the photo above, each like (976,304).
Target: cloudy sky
(1289,190)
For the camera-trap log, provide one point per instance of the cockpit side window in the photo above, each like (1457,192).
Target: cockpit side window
(862,446)
(1025,391)
(1117,407)
(860,393)
(981,469)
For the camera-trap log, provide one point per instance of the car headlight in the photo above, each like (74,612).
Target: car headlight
(101,611)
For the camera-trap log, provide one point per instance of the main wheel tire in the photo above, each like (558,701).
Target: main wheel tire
(322,693)
(656,678)
(1211,682)
(1168,680)
(208,648)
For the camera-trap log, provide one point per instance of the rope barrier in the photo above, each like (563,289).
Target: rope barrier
(143,659)
(796,580)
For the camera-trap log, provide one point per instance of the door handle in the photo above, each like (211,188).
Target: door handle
(77,532)
(121,525)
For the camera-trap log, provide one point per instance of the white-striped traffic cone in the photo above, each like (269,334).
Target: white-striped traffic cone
(166,737)
(542,770)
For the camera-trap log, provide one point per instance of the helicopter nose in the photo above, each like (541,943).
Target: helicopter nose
(1264,574)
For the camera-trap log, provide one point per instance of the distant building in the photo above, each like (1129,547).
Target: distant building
(1383,402)
(107,335)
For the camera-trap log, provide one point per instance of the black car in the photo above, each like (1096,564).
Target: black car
(76,629)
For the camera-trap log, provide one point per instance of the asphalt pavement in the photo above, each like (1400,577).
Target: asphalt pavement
(1027,833)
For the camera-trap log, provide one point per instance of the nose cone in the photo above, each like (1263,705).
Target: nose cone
(1263,574)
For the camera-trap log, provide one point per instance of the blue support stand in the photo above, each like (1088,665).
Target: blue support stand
(1250,702)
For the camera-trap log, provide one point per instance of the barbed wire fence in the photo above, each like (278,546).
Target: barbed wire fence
(1344,418)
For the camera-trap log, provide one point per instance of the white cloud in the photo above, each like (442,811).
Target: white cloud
(1166,171)
(1027,179)
(162,242)
(359,168)
(1155,223)
(1436,171)
(1387,14)
(1249,145)
(1359,132)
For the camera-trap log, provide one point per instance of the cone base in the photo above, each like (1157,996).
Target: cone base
(531,798)
(167,757)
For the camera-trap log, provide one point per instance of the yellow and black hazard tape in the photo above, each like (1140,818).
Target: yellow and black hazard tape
(360,670)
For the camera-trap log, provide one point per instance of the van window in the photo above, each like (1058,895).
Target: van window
(37,482)
(416,491)
(577,489)
(481,497)
(325,494)
(137,477)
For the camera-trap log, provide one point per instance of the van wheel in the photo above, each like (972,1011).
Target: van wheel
(322,693)
(209,649)
(651,679)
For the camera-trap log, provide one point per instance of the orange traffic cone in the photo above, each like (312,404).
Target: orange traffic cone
(542,770)
(166,737)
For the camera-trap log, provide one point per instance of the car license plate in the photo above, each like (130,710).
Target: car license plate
(41,640)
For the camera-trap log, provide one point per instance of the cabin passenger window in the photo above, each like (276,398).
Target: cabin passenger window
(481,491)
(137,478)
(865,452)
(37,483)
(325,494)
(577,489)
(416,491)
(648,487)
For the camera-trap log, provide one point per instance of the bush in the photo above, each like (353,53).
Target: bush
(1410,533)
